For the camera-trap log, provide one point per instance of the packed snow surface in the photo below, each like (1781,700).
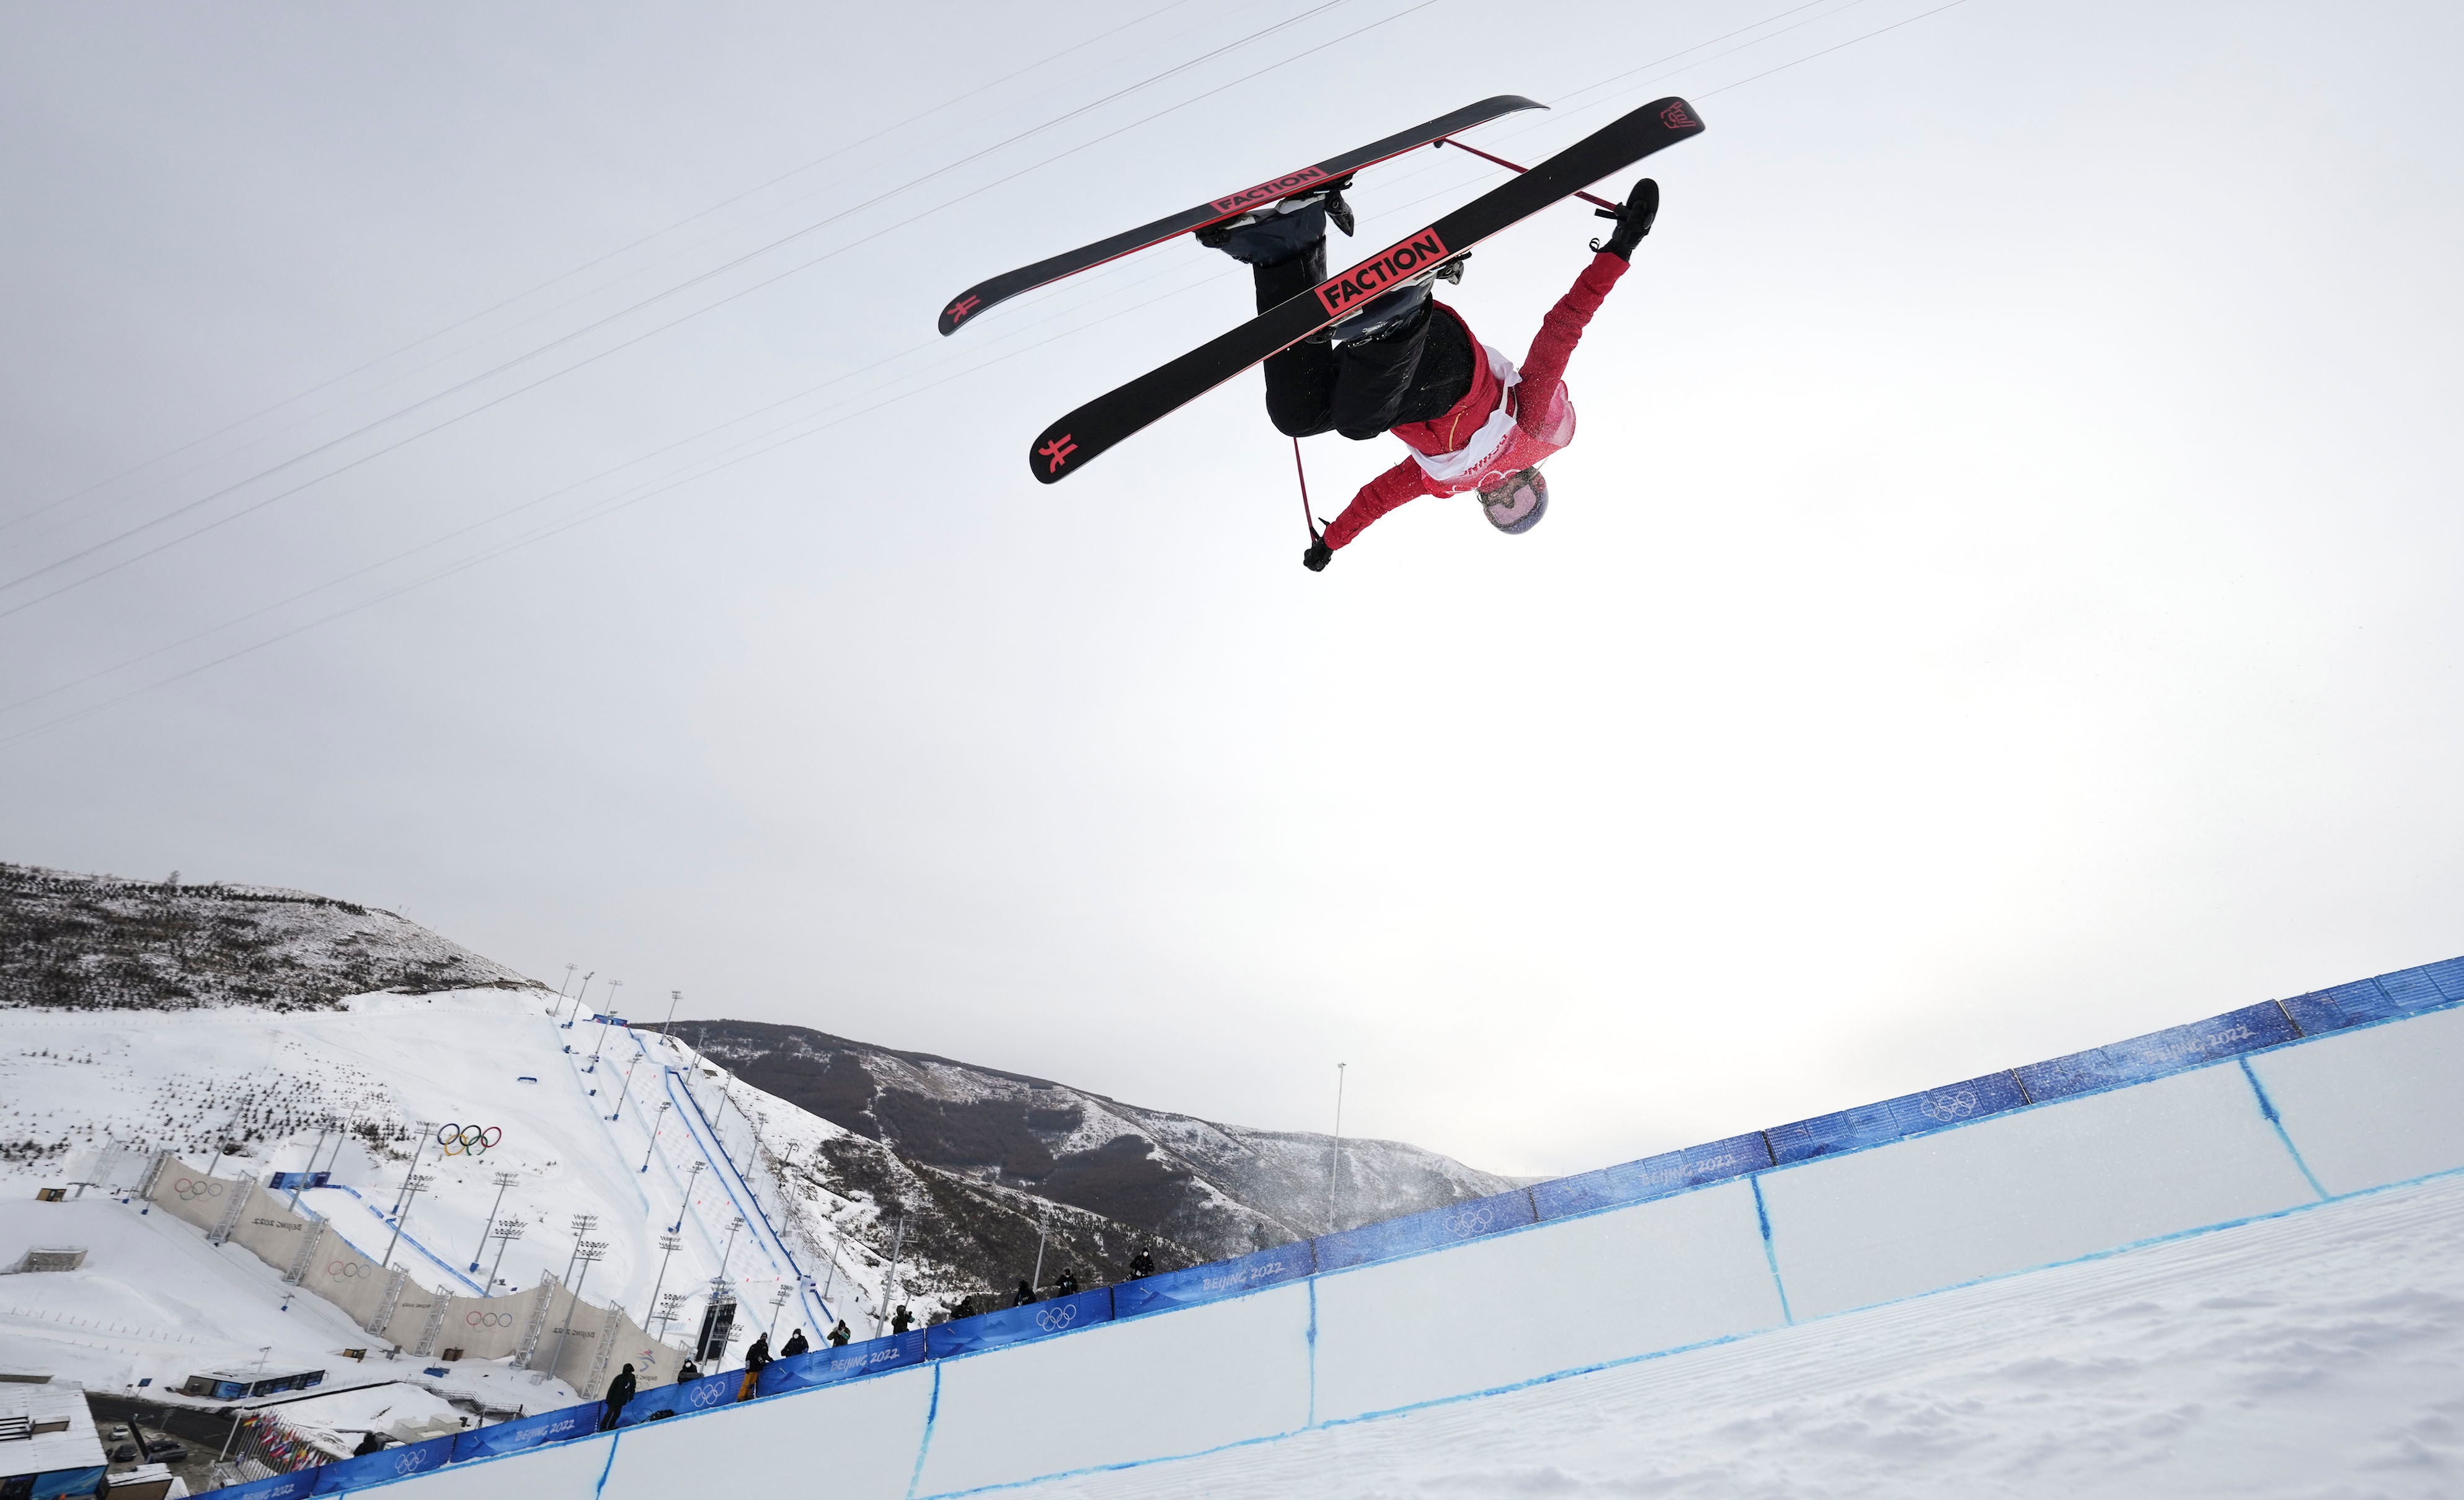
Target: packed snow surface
(2319,1354)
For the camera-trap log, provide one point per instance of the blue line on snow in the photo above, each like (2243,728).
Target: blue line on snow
(1771,1257)
(2267,1108)
(924,1447)
(436,1258)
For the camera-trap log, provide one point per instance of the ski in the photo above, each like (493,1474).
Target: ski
(1026,278)
(1067,445)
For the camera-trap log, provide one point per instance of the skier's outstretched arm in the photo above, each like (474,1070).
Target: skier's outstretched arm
(1553,345)
(1405,481)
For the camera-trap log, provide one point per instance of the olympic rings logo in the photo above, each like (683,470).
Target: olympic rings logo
(188,1188)
(1465,1222)
(1053,1321)
(488,1319)
(342,1271)
(468,1140)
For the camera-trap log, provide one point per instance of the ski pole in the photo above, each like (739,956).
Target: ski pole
(1308,520)
(1602,204)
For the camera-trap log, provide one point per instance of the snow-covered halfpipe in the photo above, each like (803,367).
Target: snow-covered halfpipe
(2253,1116)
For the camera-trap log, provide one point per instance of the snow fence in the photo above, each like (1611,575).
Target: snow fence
(2264,1111)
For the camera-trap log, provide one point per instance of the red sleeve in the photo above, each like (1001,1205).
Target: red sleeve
(1563,329)
(1403,482)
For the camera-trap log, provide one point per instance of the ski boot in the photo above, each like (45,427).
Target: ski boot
(1281,230)
(1399,311)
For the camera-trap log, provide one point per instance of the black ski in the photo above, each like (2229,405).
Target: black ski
(1026,278)
(1066,447)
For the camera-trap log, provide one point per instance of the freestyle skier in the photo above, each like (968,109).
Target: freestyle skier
(1408,363)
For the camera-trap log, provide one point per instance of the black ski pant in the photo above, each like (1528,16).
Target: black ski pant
(1409,374)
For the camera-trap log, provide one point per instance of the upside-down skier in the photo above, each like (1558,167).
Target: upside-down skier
(1410,364)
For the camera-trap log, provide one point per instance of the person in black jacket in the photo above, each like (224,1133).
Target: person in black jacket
(688,1371)
(620,1390)
(1065,1284)
(1141,1265)
(839,1336)
(369,1443)
(901,1320)
(794,1346)
(755,1357)
(1023,1295)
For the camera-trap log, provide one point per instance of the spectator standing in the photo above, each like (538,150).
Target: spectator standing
(795,1345)
(755,1357)
(688,1371)
(1065,1284)
(839,1336)
(620,1390)
(1141,1265)
(1023,1295)
(902,1320)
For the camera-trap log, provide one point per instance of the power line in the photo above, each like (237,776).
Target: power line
(606,509)
(683,286)
(592,264)
(541,499)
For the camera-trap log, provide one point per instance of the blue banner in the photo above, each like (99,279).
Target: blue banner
(1895,1119)
(689,1396)
(2380,999)
(1425,1231)
(278,1487)
(1016,1325)
(828,1366)
(395,1463)
(2158,1053)
(1652,1176)
(1212,1281)
(282,1179)
(60,1483)
(528,1432)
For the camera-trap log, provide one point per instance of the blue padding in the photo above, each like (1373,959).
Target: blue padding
(1425,1231)
(2381,999)
(277,1486)
(61,1481)
(395,1463)
(686,1397)
(1211,1282)
(1722,1160)
(826,1366)
(2158,1053)
(1017,1324)
(1606,1187)
(528,1432)
(1895,1119)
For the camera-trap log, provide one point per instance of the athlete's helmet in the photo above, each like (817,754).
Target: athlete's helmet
(1515,503)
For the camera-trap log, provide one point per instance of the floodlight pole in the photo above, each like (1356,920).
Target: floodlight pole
(504,1180)
(1334,1162)
(656,1120)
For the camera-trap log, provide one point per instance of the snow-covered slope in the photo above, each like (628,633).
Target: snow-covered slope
(1221,1190)
(95,941)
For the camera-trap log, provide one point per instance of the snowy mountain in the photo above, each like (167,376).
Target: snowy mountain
(97,940)
(249,1031)
(1219,1190)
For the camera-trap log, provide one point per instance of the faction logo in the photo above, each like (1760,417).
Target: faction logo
(1677,117)
(958,310)
(1058,451)
(1281,187)
(1387,269)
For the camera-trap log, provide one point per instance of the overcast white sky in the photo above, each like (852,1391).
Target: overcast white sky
(2004,597)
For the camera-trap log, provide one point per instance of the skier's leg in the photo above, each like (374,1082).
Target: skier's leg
(1372,375)
(1285,252)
